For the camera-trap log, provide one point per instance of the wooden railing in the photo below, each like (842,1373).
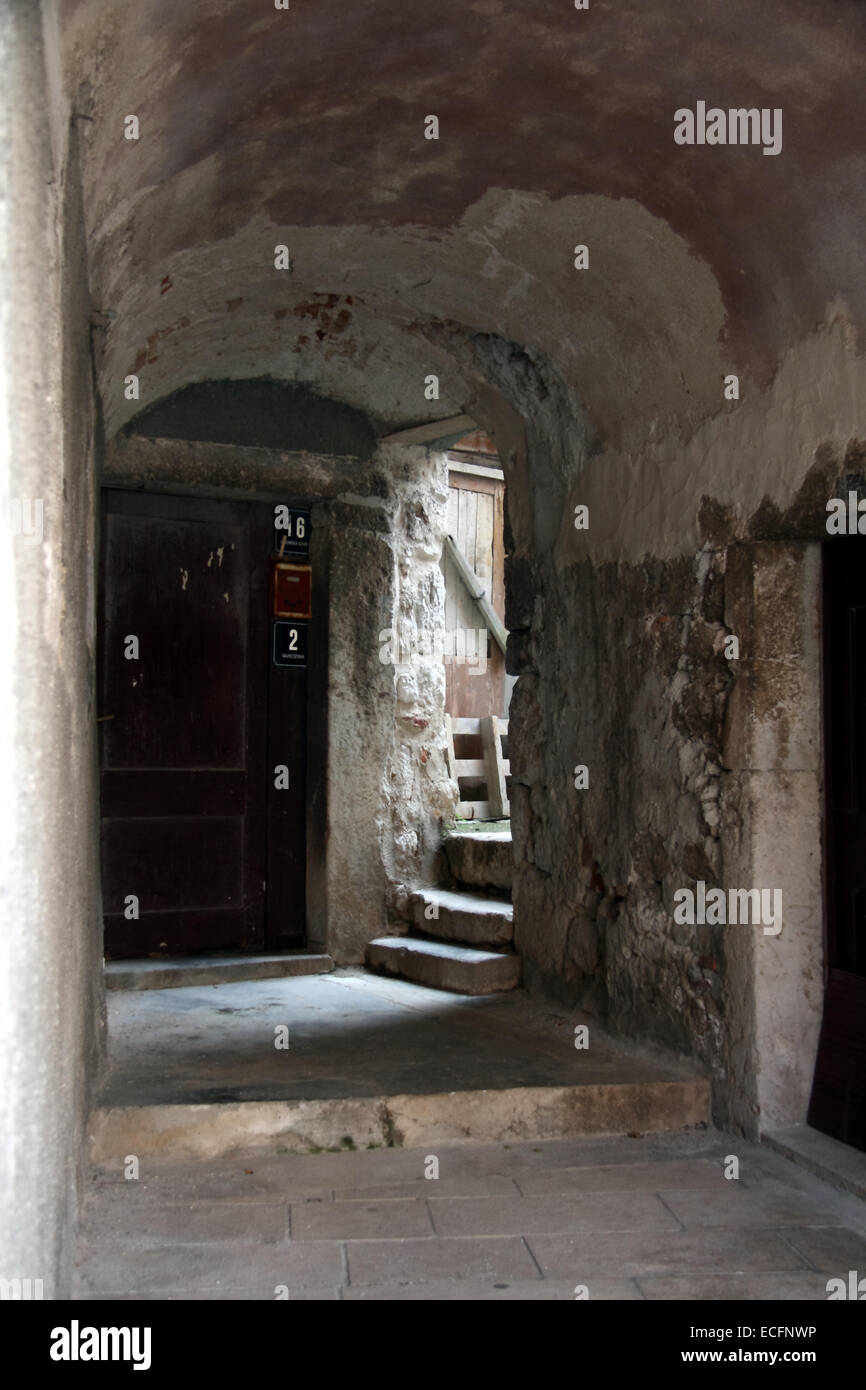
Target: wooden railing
(490,768)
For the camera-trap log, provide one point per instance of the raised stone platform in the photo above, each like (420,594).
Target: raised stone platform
(372,1061)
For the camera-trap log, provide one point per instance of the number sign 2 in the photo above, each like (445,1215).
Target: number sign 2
(290,643)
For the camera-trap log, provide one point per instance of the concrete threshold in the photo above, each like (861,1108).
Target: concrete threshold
(515,1114)
(177,972)
(835,1163)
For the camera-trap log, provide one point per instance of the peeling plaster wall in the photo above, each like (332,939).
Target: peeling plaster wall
(50,943)
(700,767)
(312,136)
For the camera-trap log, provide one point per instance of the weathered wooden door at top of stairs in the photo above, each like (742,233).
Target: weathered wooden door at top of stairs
(475,682)
(202,724)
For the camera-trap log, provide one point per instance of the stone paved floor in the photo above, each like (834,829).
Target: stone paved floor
(629,1218)
(352,1034)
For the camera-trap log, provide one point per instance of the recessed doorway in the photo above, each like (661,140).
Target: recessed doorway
(202,725)
(838,1104)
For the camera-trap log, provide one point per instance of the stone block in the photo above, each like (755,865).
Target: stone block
(481,860)
(463,917)
(441,966)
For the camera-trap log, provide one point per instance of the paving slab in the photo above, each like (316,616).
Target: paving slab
(830,1249)
(193,1223)
(180,1266)
(735,1206)
(528,1221)
(608,1254)
(297,1294)
(724,1287)
(491,1185)
(390,1220)
(476,1291)
(482,1216)
(701,1174)
(417,1261)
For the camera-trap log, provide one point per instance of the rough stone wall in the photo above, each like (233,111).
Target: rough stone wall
(417,789)
(643,687)
(699,767)
(387,781)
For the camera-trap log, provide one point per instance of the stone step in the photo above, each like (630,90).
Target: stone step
(463,917)
(515,1114)
(444,966)
(480,859)
(179,972)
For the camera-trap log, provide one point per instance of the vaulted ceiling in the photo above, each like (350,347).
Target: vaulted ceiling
(305,127)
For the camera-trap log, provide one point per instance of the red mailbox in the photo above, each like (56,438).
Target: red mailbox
(292,590)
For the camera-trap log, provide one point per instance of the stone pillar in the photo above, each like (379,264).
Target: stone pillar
(773,818)
(383,786)
(418,791)
(352,542)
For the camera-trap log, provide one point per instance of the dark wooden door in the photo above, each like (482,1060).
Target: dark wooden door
(190,827)
(838,1104)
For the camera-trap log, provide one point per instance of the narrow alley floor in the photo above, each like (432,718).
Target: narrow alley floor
(350,1033)
(650,1217)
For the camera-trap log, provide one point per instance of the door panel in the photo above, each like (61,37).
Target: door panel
(286,808)
(838,1103)
(175,862)
(191,618)
(184,726)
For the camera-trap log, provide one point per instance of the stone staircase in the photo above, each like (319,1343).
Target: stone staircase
(462,935)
